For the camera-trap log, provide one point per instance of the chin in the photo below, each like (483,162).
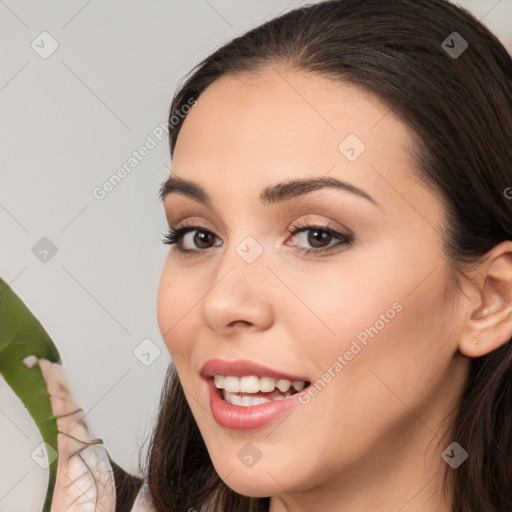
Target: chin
(263,480)
(253,485)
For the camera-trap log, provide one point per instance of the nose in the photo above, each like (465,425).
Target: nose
(239,297)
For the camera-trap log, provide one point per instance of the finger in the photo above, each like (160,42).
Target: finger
(85,480)
(89,480)
(74,434)
(61,399)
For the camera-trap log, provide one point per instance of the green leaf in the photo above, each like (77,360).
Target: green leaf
(21,335)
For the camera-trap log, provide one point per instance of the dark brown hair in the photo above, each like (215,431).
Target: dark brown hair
(459,110)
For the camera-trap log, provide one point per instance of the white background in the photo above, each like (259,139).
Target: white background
(68,122)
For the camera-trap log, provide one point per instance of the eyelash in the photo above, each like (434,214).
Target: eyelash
(175,235)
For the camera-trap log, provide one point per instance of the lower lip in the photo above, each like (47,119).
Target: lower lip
(245,418)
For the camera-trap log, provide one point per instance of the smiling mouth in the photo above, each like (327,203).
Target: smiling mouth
(251,390)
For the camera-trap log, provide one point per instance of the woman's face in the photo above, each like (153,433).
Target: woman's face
(360,314)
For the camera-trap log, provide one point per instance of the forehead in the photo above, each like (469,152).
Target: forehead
(254,129)
(278,108)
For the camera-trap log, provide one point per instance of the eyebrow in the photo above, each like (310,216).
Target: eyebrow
(270,195)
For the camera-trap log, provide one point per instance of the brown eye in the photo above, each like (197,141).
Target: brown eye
(318,237)
(189,239)
(202,239)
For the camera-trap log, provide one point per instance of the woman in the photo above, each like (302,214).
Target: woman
(337,298)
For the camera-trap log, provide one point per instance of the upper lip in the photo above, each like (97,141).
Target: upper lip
(243,367)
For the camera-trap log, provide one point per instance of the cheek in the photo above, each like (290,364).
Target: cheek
(396,349)
(389,317)
(333,304)
(175,306)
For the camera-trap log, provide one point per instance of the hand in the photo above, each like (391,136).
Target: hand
(85,480)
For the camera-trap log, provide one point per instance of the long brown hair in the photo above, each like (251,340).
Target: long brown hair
(459,108)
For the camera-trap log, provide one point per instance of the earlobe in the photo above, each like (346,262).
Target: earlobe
(489,325)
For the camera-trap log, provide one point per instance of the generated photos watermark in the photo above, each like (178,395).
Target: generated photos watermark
(354,349)
(157,135)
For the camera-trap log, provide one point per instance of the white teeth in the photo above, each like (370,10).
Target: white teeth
(219,381)
(232,384)
(254,384)
(235,400)
(247,401)
(283,385)
(250,384)
(298,385)
(267,384)
(282,397)
(257,400)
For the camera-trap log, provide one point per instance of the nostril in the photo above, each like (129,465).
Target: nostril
(243,322)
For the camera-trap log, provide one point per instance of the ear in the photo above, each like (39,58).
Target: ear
(489,324)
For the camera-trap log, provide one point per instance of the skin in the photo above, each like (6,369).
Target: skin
(85,480)
(372,438)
